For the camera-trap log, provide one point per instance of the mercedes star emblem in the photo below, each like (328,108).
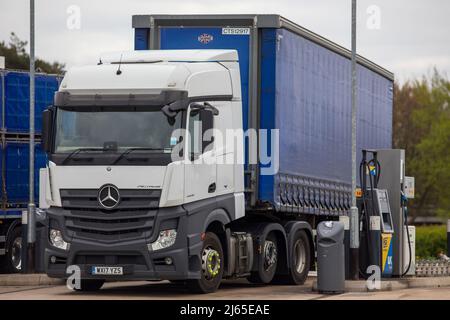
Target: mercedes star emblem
(108,196)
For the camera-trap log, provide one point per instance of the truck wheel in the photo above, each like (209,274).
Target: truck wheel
(14,254)
(268,261)
(300,261)
(212,266)
(90,285)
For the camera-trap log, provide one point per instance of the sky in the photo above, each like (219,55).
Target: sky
(407,37)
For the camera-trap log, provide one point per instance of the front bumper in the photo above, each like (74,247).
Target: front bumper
(132,254)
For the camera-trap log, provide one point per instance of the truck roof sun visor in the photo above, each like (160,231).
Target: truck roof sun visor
(66,99)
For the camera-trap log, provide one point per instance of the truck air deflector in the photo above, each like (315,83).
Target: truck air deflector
(152,56)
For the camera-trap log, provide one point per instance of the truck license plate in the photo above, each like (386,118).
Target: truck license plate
(107,270)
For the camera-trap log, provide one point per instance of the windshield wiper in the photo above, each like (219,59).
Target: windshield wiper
(129,150)
(77,151)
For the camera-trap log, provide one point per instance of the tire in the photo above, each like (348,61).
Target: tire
(300,263)
(212,266)
(14,251)
(90,285)
(268,260)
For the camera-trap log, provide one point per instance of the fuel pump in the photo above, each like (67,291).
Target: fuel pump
(400,189)
(377,226)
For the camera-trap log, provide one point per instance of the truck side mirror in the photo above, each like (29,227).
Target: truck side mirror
(47,125)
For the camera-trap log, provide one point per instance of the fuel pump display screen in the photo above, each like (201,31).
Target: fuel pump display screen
(387,222)
(384,210)
(378,205)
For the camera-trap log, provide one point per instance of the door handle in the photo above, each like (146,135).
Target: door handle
(212,188)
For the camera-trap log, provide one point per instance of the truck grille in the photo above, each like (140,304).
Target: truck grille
(129,199)
(133,218)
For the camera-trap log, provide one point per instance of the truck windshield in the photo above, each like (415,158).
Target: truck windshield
(115,130)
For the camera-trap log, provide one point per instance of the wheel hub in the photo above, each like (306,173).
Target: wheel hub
(270,254)
(300,255)
(16,253)
(210,263)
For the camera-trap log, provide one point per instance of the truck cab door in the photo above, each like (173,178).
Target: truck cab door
(200,165)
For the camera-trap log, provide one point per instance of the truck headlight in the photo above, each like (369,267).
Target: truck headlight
(57,240)
(165,239)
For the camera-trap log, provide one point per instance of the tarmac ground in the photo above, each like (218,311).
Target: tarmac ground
(229,290)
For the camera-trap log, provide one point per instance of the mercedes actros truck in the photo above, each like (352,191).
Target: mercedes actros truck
(210,152)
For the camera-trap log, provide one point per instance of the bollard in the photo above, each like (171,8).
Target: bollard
(330,257)
(346,221)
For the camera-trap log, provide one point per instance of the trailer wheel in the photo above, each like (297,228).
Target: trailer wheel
(267,265)
(212,266)
(14,251)
(90,285)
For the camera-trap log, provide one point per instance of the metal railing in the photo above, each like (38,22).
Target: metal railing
(432,268)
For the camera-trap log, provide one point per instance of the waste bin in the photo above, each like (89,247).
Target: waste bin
(330,257)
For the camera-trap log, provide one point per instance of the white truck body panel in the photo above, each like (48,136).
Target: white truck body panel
(208,79)
(44,188)
(93,177)
(173,187)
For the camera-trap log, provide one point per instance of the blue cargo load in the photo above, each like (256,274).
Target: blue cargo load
(14,151)
(15,102)
(300,83)
(15,156)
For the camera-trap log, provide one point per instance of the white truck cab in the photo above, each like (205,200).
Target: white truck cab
(193,75)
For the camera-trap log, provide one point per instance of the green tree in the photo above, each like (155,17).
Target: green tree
(17,58)
(422,128)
